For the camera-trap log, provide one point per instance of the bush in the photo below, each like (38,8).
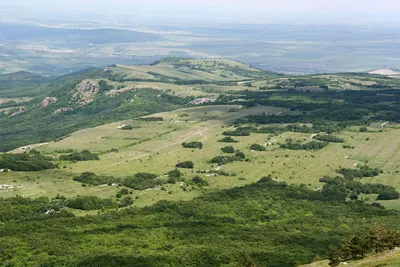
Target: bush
(185,164)
(122,192)
(25,162)
(175,173)
(228,139)
(125,201)
(257,147)
(364,171)
(313,145)
(194,144)
(241,131)
(199,181)
(93,179)
(329,138)
(221,160)
(228,149)
(84,155)
(89,203)
(142,181)
(363,130)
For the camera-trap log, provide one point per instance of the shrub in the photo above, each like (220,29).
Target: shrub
(89,203)
(185,164)
(228,139)
(125,201)
(176,173)
(93,179)
(257,147)
(199,181)
(25,162)
(228,149)
(142,181)
(329,138)
(194,144)
(84,155)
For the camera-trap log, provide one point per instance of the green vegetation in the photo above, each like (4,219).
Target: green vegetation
(90,203)
(84,155)
(361,172)
(329,138)
(197,180)
(377,239)
(228,149)
(257,147)
(228,139)
(26,162)
(185,164)
(221,160)
(193,144)
(93,179)
(180,196)
(313,145)
(272,223)
(142,181)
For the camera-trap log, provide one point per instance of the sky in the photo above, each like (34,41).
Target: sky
(257,9)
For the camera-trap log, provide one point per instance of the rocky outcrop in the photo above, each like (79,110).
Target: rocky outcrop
(47,101)
(85,92)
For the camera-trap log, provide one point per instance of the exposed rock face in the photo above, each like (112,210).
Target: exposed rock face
(47,101)
(85,92)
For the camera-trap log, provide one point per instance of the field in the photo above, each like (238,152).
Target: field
(157,146)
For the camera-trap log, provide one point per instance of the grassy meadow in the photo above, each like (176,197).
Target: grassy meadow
(156,147)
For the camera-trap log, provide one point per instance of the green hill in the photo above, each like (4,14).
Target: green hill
(166,160)
(389,258)
(97,96)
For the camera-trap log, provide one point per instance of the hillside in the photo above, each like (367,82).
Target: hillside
(97,96)
(388,258)
(194,152)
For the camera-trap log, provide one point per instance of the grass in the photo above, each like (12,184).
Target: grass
(156,147)
(387,258)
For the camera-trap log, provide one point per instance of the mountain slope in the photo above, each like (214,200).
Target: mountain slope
(388,258)
(97,96)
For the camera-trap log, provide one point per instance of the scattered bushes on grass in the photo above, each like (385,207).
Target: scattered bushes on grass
(84,155)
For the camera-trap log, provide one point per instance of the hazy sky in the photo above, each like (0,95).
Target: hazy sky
(212,8)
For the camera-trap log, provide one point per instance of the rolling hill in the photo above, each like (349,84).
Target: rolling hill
(166,160)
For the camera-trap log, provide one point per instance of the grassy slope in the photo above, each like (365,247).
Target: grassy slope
(163,79)
(388,258)
(160,149)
